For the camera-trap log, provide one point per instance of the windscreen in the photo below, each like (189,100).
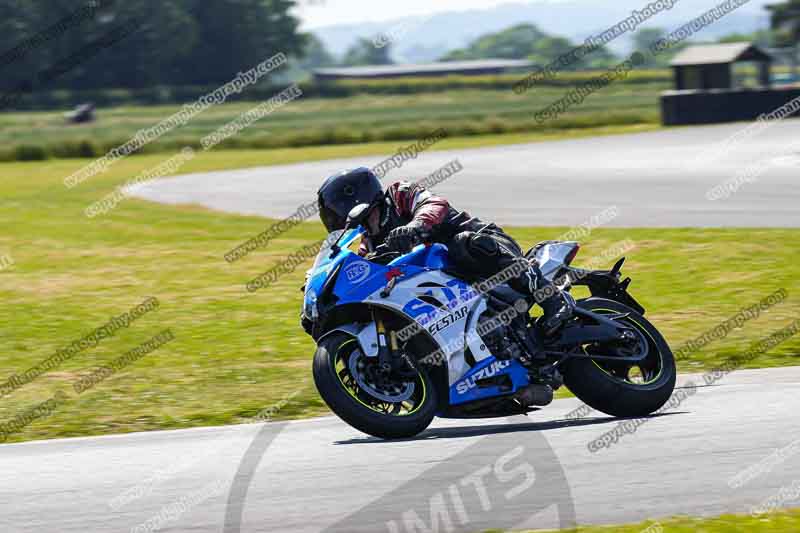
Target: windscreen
(324,255)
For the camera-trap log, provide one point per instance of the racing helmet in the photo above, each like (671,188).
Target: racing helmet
(343,191)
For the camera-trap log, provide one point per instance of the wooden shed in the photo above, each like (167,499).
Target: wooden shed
(703,67)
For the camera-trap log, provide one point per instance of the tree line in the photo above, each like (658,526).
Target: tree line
(175,42)
(46,45)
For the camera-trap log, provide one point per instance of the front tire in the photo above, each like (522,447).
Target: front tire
(353,398)
(609,387)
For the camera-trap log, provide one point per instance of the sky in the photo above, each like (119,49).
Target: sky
(316,13)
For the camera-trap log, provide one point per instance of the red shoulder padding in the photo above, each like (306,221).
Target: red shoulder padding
(419,204)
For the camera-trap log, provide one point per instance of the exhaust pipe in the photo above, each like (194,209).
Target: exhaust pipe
(536,394)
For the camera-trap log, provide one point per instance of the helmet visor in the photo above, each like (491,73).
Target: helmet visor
(332,219)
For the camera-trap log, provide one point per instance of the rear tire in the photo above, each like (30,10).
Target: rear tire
(337,348)
(600,389)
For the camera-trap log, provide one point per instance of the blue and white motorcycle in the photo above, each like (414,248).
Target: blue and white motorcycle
(402,339)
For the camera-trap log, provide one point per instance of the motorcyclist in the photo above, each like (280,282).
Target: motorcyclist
(407,214)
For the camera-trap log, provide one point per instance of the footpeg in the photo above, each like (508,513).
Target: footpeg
(536,394)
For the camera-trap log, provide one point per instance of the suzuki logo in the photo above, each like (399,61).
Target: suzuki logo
(488,372)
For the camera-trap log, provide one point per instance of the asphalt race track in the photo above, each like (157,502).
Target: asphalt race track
(321,475)
(459,475)
(650,177)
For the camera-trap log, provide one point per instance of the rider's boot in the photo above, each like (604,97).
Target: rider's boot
(557,307)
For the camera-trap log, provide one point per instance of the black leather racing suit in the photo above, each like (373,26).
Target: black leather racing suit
(478,249)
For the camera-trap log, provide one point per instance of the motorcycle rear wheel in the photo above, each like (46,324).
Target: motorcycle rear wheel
(621,389)
(350,386)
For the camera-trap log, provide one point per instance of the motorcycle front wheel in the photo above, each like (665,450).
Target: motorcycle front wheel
(352,385)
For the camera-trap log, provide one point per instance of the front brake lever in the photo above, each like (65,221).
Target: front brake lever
(392,276)
(387,290)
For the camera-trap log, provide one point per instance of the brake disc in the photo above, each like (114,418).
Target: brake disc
(391,392)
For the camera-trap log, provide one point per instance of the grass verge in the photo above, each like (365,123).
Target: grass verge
(236,353)
(787,521)
(316,121)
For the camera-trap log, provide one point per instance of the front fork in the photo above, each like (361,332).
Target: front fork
(390,357)
(387,344)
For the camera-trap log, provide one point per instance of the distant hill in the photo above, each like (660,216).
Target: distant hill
(426,39)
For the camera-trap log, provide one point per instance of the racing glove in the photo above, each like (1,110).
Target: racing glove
(404,238)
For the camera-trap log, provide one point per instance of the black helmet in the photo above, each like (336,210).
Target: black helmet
(343,191)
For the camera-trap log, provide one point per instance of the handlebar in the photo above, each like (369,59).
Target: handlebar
(383,255)
(383,249)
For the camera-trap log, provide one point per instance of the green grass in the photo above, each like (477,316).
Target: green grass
(236,353)
(778,522)
(317,121)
